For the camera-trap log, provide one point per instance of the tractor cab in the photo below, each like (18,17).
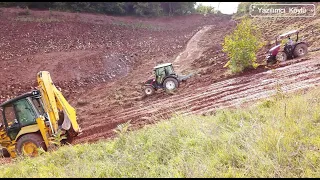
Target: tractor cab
(163,70)
(165,78)
(292,48)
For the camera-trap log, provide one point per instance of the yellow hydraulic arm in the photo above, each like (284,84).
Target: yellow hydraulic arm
(53,101)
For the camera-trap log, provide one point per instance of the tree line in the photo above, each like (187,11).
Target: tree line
(112,8)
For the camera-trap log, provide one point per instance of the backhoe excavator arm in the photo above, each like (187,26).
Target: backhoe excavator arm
(54,101)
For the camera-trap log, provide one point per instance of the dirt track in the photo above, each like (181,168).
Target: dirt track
(227,93)
(192,51)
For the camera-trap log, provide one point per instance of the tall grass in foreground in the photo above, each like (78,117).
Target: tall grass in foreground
(279,137)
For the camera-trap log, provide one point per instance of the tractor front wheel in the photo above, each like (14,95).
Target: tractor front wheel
(148,90)
(281,56)
(29,144)
(171,84)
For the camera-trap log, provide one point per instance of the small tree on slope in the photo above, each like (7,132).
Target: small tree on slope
(242,46)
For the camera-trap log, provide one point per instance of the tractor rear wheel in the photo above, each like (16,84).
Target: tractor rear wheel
(148,90)
(300,50)
(28,144)
(170,84)
(281,56)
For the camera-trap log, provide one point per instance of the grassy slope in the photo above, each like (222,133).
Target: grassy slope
(279,137)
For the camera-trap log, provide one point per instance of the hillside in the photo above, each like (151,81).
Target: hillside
(101,61)
(79,49)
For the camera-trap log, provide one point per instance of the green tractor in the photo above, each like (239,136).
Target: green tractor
(165,78)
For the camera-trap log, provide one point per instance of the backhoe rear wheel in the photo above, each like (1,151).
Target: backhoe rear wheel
(29,144)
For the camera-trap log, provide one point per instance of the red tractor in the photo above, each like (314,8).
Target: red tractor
(291,49)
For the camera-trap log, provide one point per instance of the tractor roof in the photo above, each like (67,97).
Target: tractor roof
(162,65)
(288,33)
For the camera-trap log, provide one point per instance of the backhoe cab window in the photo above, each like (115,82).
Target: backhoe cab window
(25,113)
(12,125)
(1,119)
(36,102)
(10,116)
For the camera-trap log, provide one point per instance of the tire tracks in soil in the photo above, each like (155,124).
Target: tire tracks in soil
(228,93)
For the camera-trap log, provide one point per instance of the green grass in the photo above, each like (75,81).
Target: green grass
(278,137)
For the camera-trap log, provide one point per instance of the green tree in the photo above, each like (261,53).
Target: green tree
(242,46)
(243,7)
(178,8)
(204,9)
(112,8)
(147,8)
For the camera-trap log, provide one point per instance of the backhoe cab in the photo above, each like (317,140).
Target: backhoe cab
(29,121)
(291,49)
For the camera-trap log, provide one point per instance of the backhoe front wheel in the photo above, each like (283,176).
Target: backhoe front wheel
(29,144)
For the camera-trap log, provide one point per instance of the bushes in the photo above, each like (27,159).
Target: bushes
(147,8)
(112,8)
(205,9)
(25,12)
(241,46)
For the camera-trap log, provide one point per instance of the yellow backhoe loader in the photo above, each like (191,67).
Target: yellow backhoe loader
(27,122)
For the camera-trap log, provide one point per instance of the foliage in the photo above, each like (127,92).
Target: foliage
(205,9)
(112,8)
(147,8)
(243,7)
(242,45)
(25,12)
(122,128)
(275,138)
(57,139)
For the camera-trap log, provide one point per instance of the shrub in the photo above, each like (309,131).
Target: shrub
(242,46)
(205,9)
(25,12)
